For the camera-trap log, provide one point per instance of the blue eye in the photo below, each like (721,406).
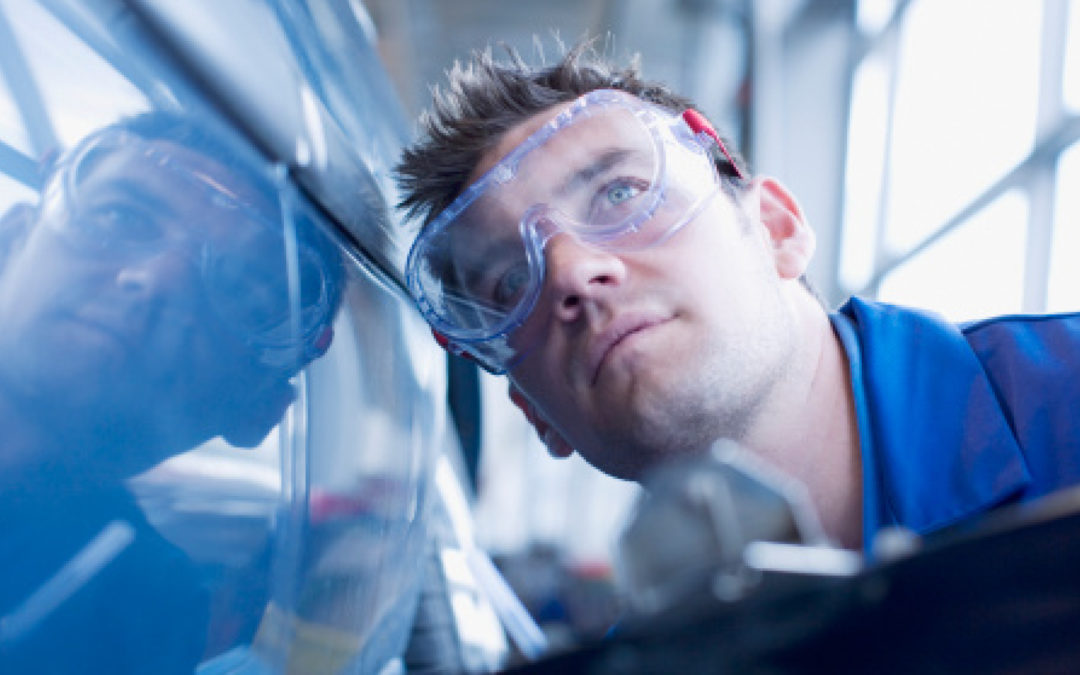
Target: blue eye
(621,192)
(118,225)
(510,286)
(615,199)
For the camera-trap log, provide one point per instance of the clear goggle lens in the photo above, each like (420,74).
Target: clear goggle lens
(610,170)
(240,249)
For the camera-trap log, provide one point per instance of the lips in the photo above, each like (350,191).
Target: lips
(122,332)
(618,330)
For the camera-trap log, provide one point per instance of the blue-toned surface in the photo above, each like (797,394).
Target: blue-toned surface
(219,417)
(948,422)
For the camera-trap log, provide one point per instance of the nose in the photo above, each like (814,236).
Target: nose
(579,274)
(163,273)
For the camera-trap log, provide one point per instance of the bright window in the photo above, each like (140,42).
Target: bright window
(976,270)
(867,134)
(1071,85)
(965,109)
(12,191)
(12,131)
(873,15)
(78,87)
(1064,282)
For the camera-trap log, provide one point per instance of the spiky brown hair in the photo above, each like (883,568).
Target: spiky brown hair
(486,97)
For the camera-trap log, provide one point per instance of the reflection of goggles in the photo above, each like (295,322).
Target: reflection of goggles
(611,170)
(241,252)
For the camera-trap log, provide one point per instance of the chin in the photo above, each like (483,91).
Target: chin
(619,468)
(630,453)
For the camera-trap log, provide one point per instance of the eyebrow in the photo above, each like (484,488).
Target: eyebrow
(579,178)
(587,173)
(128,187)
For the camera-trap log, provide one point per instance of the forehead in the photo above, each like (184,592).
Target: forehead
(550,162)
(605,124)
(515,137)
(182,178)
(561,166)
(181,190)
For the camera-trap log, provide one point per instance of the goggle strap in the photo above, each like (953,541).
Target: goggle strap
(451,346)
(322,342)
(699,125)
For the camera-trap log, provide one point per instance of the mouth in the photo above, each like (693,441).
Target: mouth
(617,332)
(120,332)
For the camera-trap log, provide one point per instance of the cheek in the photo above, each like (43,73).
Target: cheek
(222,353)
(196,353)
(725,268)
(33,289)
(527,377)
(31,276)
(531,336)
(540,378)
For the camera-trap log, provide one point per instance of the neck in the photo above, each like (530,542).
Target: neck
(24,442)
(808,428)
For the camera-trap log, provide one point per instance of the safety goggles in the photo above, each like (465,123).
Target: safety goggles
(280,305)
(610,170)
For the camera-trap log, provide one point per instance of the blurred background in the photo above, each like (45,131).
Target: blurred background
(932,145)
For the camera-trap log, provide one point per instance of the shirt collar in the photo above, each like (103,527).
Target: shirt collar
(936,445)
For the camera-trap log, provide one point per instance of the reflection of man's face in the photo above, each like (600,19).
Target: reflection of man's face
(123,306)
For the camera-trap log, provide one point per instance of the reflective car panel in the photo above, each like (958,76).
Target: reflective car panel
(220,410)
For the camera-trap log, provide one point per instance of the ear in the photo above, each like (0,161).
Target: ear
(791,240)
(556,444)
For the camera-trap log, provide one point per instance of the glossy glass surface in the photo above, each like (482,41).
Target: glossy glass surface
(219,415)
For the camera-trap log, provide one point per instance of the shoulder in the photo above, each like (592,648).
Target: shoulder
(871,313)
(1031,332)
(1029,360)
(1032,361)
(1046,341)
(1064,325)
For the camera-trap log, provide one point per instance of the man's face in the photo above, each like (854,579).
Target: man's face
(585,177)
(107,313)
(655,352)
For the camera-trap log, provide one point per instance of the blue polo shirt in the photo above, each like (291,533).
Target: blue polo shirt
(955,420)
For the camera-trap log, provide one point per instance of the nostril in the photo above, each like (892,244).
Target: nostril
(169,271)
(579,273)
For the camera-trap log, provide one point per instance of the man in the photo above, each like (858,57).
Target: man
(147,307)
(645,302)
